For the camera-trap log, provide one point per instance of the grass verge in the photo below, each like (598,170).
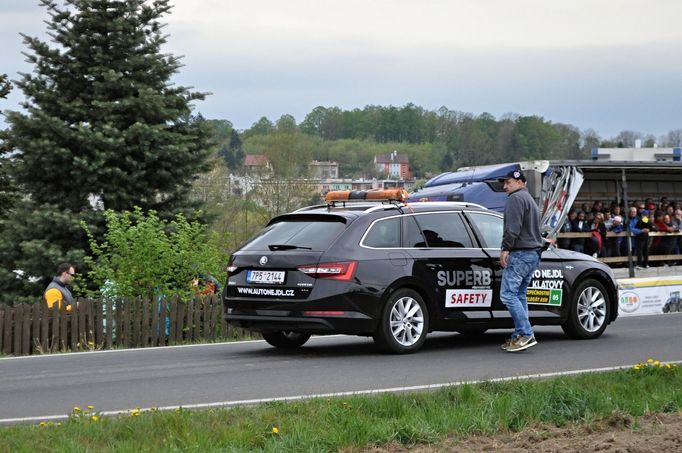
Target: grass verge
(354,423)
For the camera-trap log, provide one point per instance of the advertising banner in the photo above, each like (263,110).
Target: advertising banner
(649,296)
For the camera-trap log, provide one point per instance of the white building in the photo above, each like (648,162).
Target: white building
(637,154)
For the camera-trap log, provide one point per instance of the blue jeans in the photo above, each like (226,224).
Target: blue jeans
(515,279)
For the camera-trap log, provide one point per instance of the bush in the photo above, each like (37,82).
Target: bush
(144,256)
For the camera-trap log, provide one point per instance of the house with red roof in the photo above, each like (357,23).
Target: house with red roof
(394,164)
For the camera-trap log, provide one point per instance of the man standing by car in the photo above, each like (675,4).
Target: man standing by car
(520,256)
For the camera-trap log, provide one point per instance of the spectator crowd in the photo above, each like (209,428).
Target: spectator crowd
(642,218)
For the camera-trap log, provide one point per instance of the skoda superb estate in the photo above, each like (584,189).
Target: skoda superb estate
(366,263)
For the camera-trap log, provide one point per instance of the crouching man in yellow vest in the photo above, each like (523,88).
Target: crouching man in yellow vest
(56,291)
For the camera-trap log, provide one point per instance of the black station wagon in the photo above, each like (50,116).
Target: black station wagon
(396,271)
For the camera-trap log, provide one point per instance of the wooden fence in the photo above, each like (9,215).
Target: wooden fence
(93,324)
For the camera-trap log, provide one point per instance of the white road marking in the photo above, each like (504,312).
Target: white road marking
(252,402)
(151,348)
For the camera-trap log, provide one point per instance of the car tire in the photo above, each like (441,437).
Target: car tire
(404,323)
(589,310)
(285,339)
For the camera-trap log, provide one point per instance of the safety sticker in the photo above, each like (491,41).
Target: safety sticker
(468,297)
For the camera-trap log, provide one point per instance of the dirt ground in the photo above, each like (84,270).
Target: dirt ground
(651,433)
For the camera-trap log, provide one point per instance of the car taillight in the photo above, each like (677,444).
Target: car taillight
(230,265)
(335,271)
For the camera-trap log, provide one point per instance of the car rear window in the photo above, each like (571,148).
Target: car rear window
(314,234)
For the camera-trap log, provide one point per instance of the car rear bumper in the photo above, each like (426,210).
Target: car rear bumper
(353,323)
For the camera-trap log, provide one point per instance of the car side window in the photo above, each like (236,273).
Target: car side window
(491,228)
(412,234)
(384,234)
(444,229)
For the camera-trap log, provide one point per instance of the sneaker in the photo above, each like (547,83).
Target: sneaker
(521,343)
(639,267)
(506,344)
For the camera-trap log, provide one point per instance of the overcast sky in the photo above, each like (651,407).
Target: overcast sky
(610,65)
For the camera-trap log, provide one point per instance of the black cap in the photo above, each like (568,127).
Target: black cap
(516,174)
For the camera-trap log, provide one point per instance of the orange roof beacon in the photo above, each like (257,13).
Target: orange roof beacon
(399,195)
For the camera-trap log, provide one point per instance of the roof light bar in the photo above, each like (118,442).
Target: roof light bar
(367,195)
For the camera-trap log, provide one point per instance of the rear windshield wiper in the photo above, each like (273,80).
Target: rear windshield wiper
(287,247)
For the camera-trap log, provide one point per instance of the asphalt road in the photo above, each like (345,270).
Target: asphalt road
(51,385)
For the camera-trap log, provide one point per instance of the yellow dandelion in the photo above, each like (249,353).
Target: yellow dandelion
(59,423)
(657,363)
(649,360)
(76,409)
(275,430)
(43,424)
(91,407)
(667,365)
(637,367)
(94,418)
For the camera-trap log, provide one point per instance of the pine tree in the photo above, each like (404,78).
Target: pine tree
(7,191)
(104,127)
(5,86)
(103,117)
(236,148)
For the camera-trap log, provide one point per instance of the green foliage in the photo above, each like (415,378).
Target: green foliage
(103,117)
(5,86)
(289,151)
(142,255)
(32,243)
(361,423)
(232,153)
(7,189)
(103,127)
(261,127)
(435,141)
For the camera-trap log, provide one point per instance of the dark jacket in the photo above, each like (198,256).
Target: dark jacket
(521,222)
(65,296)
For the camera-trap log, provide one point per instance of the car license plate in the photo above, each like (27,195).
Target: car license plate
(272,277)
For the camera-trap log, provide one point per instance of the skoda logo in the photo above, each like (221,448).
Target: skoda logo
(263,260)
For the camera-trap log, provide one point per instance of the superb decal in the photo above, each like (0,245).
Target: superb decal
(464,278)
(468,297)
